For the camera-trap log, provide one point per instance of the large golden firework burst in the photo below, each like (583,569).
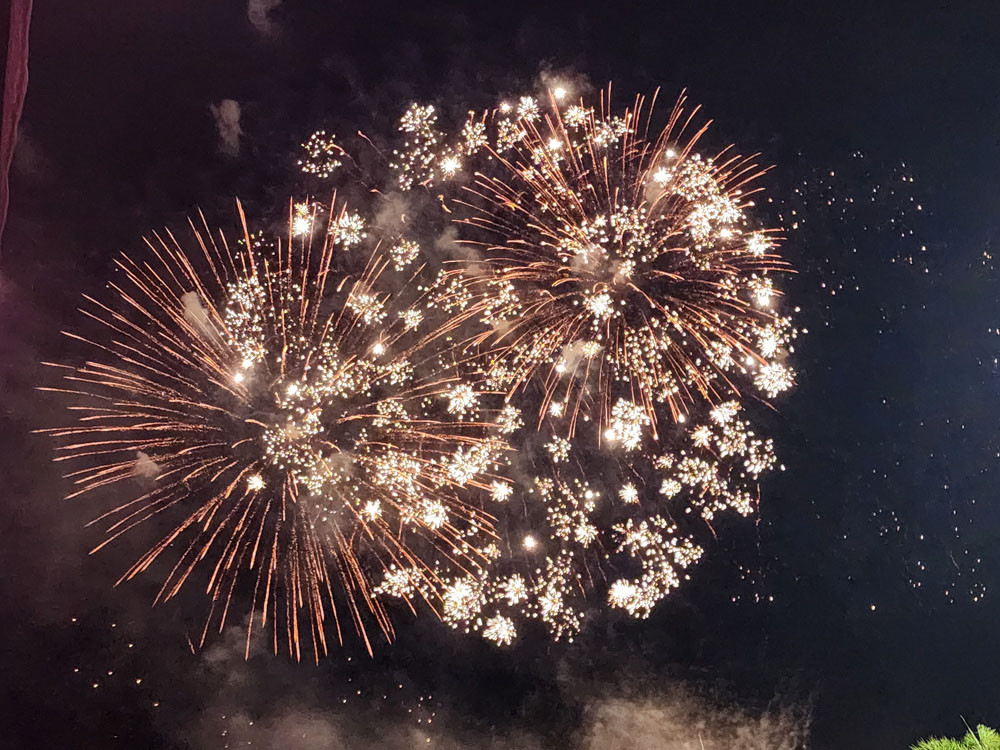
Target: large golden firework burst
(290,427)
(624,294)
(617,265)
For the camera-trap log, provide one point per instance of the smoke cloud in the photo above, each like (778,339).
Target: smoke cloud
(243,710)
(227,123)
(145,467)
(259,13)
(195,313)
(680,720)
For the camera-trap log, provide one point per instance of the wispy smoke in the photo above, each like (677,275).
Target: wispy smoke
(145,467)
(195,313)
(392,213)
(259,13)
(29,160)
(244,709)
(571,355)
(227,122)
(679,720)
(448,245)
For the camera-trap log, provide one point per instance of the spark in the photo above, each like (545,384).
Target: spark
(501,492)
(500,630)
(629,494)
(627,421)
(403,253)
(302,221)
(774,378)
(450,165)
(462,400)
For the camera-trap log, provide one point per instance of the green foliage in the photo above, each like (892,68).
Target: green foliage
(983,738)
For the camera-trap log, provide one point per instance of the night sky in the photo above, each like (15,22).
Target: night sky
(864,596)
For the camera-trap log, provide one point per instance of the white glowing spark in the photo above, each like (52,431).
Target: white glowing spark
(403,253)
(435,515)
(774,378)
(462,399)
(462,601)
(762,291)
(450,165)
(411,319)
(722,413)
(510,419)
(623,594)
(501,492)
(527,108)
(629,494)
(702,436)
(349,230)
(670,487)
(757,244)
(627,421)
(322,154)
(302,221)
(558,449)
(577,116)
(600,305)
(514,590)
(500,630)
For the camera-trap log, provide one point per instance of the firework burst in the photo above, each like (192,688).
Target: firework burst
(618,264)
(293,430)
(326,443)
(569,543)
(618,281)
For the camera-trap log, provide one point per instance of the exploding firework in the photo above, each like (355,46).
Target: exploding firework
(623,294)
(617,264)
(330,443)
(293,429)
(321,155)
(628,539)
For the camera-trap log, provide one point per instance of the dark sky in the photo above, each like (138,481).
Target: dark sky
(877,545)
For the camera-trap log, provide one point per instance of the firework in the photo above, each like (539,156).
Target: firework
(293,430)
(321,155)
(623,293)
(330,443)
(618,264)
(571,544)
